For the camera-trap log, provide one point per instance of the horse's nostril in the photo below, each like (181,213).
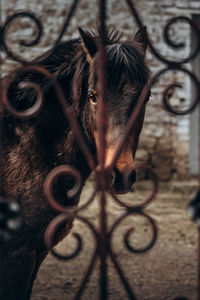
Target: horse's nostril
(131,178)
(122,182)
(113,177)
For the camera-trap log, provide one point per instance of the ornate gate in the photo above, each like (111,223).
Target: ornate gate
(103,234)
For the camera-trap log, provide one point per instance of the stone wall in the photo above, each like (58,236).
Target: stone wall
(164,141)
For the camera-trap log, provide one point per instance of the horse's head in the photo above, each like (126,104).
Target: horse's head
(126,75)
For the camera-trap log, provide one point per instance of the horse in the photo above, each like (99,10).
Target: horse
(32,147)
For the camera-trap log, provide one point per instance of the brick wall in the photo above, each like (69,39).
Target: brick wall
(164,141)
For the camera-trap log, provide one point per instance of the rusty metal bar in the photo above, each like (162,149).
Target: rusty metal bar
(101,130)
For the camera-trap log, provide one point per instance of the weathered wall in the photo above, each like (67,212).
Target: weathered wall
(165,139)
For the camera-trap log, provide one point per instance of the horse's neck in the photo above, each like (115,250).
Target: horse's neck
(49,131)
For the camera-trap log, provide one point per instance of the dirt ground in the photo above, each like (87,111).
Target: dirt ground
(167,271)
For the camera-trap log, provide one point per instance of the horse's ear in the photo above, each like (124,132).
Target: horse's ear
(89,44)
(141,38)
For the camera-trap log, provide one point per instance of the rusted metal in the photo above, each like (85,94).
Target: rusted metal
(101,131)
(102,235)
(166,35)
(30,15)
(7,24)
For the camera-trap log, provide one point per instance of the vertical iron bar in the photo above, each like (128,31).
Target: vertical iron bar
(103,249)
(102,129)
(102,108)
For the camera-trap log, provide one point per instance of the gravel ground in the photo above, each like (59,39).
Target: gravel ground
(167,271)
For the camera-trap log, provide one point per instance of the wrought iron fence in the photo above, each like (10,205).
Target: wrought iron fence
(103,235)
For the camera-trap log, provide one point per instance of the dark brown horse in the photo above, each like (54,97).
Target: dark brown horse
(32,147)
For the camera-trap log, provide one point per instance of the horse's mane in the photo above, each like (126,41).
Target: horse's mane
(123,58)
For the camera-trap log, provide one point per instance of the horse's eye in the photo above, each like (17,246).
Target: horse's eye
(92,97)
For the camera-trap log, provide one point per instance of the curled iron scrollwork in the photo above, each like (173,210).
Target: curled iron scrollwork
(166,34)
(27,113)
(169,90)
(131,248)
(51,231)
(73,192)
(175,45)
(34,42)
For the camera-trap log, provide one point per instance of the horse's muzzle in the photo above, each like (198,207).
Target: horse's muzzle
(122,182)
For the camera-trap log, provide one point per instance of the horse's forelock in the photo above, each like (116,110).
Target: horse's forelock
(125,59)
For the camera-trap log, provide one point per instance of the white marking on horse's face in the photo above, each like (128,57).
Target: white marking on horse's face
(120,104)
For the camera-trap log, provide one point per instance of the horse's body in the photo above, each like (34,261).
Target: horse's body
(33,147)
